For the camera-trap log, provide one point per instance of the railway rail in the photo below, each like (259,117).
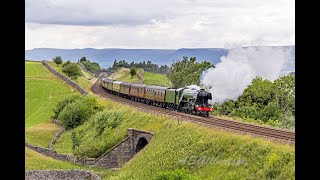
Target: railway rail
(258,130)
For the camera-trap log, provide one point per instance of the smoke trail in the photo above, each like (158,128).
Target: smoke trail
(237,70)
(196,87)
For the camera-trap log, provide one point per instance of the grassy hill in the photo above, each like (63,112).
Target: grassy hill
(188,149)
(123,74)
(42,91)
(85,81)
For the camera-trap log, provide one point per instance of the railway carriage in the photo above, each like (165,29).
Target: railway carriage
(155,95)
(107,84)
(116,87)
(137,91)
(125,89)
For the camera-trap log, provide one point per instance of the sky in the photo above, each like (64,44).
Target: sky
(158,24)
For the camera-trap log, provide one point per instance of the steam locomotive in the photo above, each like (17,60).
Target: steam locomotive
(188,100)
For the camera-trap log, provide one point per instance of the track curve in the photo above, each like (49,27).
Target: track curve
(254,129)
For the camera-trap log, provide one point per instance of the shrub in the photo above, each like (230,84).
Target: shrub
(288,121)
(66,63)
(133,72)
(271,111)
(245,112)
(72,70)
(57,60)
(107,119)
(77,112)
(63,103)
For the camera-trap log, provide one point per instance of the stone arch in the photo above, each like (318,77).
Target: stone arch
(142,142)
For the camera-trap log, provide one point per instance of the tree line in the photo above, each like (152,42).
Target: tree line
(147,66)
(263,100)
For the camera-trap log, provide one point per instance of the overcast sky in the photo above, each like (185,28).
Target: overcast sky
(165,24)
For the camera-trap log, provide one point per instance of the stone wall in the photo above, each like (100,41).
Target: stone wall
(55,138)
(60,174)
(57,122)
(51,153)
(122,152)
(116,156)
(86,69)
(62,157)
(64,78)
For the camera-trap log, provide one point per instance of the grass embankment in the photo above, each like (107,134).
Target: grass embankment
(189,149)
(42,90)
(123,74)
(85,81)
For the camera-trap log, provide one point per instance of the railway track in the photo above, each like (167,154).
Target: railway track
(258,130)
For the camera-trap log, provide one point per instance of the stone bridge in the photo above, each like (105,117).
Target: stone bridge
(125,150)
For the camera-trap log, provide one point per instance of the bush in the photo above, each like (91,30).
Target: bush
(107,119)
(133,71)
(288,121)
(271,111)
(63,103)
(66,63)
(77,112)
(90,66)
(225,108)
(57,60)
(245,112)
(72,70)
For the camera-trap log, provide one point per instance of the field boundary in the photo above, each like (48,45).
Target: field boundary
(81,65)
(64,78)
(61,174)
(62,157)
(55,138)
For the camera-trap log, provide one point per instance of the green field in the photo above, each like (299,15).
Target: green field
(42,91)
(123,74)
(85,81)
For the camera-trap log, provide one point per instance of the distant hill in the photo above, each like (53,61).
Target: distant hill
(105,57)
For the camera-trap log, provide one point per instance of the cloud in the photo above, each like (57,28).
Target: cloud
(96,12)
(168,24)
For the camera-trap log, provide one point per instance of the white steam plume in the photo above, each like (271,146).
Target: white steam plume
(193,86)
(237,70)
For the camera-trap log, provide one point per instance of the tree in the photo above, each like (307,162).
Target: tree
(115,64)
(259,93)
(83,59)
(72,70)
(91,66)
(284,88)
(187,72)
(133,72)
(57,60)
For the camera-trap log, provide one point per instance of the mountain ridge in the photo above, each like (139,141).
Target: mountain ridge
(106,56)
